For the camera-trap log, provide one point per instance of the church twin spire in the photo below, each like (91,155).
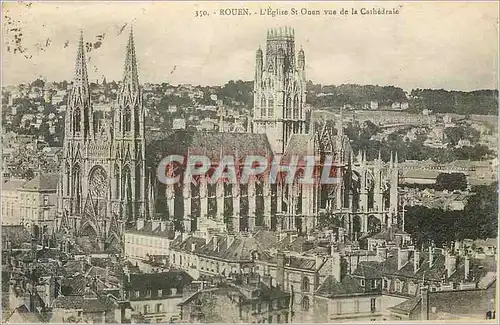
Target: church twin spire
(81,82)
(129,90)
(79,121)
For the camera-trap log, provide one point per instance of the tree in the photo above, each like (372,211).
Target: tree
(451,181)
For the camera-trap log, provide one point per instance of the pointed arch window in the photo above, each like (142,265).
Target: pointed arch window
(263,105)
(126,183)
(288,107)
(67,184)
(296,107)
(127,120)
(77,117)
(77,187)
(270,107)
(117,181)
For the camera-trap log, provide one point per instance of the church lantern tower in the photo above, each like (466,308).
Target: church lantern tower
(279,89)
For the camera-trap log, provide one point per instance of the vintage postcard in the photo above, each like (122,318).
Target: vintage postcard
(249,162)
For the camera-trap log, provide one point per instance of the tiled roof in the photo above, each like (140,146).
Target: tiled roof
(27,316)
(51,253)
(331,287)
(43,182)
(13,184)
(164,281)
(147,230)
(368,270)
(89,305)
(212,144)
(75,285)
(235,248)
(298,145)
(407,306)
(259,291)
(300,263)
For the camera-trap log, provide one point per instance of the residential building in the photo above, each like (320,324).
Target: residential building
(247,300)
(38,204)
(11,212)
(148,238)
(156,295)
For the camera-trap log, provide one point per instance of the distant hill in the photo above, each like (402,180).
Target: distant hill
(354,95)
(481,102)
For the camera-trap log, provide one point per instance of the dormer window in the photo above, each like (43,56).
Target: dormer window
(160,293)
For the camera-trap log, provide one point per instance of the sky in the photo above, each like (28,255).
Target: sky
(450,45)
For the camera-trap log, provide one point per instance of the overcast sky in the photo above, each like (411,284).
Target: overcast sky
(428,45)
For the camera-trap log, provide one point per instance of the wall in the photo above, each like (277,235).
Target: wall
(139,246)
(169,308)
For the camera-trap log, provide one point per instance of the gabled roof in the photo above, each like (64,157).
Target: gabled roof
(43,182)
(234,248)
(13,184)
(298,145)
(90,305)
(407,306)
(347,286)
(26,316)
(212,144)
(164,281)
(148,230)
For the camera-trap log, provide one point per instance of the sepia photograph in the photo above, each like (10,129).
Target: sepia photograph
(249,162)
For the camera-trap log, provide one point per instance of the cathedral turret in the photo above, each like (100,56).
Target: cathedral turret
(130,112)
(301,60)
(78,115)
(279,90)
(258,65)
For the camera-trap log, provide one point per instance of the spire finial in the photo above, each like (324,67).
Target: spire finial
(130,85)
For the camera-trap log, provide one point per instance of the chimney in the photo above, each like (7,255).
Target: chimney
(402,257)
(140,223)
(155,224)
(336,266)
(382,253)
(451,264)
(280,269)
(431,257)
(424,306)
(467,267)
(193,247)
(216,242)
(416,261)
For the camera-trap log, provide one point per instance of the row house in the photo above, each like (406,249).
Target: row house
(10,201)
(246,300)
(148,238)
(218,255)
(37,203)
(155,296)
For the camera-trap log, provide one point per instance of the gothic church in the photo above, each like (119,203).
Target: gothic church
(365,202)
(104,180)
